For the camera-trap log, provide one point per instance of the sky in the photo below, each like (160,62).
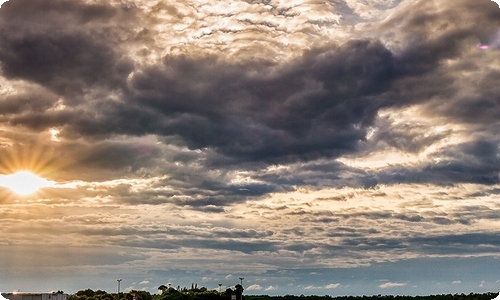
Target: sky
(334,147)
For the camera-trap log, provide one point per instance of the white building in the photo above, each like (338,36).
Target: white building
(34,296)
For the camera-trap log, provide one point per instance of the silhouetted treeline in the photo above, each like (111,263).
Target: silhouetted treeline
(202,293)
(471,296)
(165,293)
(89,294)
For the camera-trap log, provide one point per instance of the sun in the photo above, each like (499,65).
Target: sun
(24,182)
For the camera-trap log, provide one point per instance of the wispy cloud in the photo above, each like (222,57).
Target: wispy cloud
(254,287)
(390,285)
(332,286)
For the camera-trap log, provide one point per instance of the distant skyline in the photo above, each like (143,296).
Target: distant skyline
(334,147)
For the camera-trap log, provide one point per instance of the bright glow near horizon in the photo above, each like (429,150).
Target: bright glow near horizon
(24,182)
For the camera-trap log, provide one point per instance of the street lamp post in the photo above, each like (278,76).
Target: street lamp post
(118,294)
(241,281)
(220,288)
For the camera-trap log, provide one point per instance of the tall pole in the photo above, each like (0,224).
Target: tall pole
(220,288)
(118,294)
(239,294)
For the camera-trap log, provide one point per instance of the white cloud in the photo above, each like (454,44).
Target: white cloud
(312,287)
(254,287)
(457,282)
(229,276)
(389,285)
(144,282)
(271,288)
(332,286)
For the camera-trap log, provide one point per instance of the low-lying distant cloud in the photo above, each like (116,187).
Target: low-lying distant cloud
(332,286)
(254,287)
(390,285)
(313,287)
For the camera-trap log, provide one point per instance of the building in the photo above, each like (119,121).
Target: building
(35,296)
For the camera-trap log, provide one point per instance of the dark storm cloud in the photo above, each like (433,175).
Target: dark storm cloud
(180,181)
(474,162)
(410,138)
(319,105)
(26,102)
(430,34)
(117,155)
(315,107)
(477,162)
(430,31)
(61,45)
